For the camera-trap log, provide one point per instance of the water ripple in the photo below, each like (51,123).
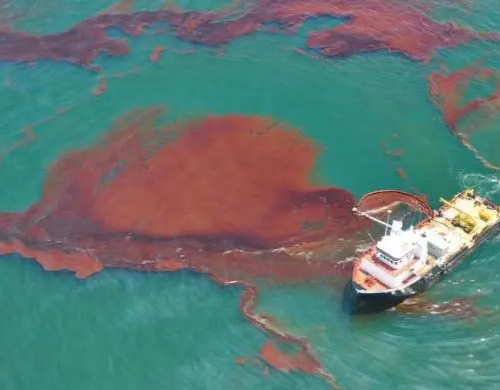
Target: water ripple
(487,185)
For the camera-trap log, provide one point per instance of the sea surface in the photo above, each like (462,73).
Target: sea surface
(120,329)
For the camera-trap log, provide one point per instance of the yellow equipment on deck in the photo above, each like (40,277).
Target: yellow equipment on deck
(469,193)
(456,208)
(463,219)
(485,215)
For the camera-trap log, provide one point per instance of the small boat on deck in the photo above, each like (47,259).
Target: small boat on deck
(407,262)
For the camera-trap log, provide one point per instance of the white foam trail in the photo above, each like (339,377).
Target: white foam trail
(486,185)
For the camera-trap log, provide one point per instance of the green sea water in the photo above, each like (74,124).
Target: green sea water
(130,330)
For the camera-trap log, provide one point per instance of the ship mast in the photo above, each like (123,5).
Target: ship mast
(388,216)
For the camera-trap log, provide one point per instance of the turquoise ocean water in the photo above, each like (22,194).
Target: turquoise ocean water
(128,330)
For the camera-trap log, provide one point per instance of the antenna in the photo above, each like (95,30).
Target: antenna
(387,223)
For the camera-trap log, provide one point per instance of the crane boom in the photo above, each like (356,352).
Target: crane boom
(356,211)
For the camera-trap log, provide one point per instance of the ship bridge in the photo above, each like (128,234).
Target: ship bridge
(396,256)
(398,247)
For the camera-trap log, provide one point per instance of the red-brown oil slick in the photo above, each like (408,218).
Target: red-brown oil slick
(371,25)
(229,196)
(226,195)
(460,308)
(447,91)
(285,362)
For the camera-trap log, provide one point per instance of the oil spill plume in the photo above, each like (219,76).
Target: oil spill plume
(461,308)
(216,194)
(303,359)
(447,91)
(28,131)
(371,25)
(229,196)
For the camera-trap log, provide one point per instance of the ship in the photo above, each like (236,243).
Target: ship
(406,262)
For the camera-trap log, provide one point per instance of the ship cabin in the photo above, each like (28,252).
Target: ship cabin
(396,256)
(397,248)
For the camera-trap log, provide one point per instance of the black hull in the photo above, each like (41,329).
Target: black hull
(356,301)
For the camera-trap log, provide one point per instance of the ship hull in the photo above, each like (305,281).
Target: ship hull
(356,300)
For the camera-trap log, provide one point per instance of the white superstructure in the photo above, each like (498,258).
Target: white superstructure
(401,252)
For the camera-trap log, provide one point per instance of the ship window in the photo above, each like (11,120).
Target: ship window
(383,257)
